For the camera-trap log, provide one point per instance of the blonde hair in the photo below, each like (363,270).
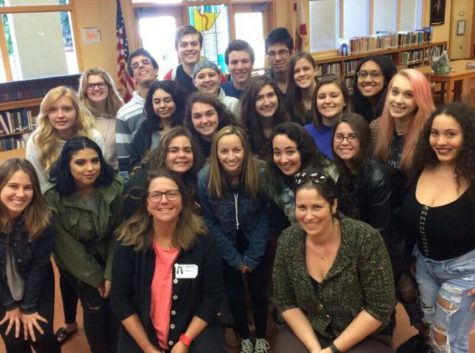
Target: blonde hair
(217,183)
(46,136)
(137,231)
(36,214)
(113,101)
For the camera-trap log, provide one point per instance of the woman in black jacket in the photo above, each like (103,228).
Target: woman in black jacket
(26,276)
(368,182)
(166,275)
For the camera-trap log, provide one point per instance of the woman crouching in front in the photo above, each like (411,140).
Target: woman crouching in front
(333,282)
(166,275)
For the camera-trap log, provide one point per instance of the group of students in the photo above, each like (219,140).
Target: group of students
(368,195)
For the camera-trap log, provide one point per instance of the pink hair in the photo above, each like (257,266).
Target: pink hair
(425,106)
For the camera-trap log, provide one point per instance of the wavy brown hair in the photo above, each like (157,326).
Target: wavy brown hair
(138,230)
(46,137)
(36,214)
(425,156)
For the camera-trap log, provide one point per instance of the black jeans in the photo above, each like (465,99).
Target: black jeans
(100,325)
(257,284)
(45,343)
(70,301)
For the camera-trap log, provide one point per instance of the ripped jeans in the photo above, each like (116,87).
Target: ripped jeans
(100,325)
(444,287)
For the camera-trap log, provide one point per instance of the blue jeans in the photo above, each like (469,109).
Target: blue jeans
(444,287)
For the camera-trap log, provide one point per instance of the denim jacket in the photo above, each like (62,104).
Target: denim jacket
(83,241)
(232,212)
(32,259)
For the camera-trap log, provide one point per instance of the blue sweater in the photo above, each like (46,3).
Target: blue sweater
(322,138)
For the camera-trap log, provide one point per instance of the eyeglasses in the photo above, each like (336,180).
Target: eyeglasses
(281,53)
(144,62)
(350,137)
(100,85)
(315,177)
(373,74)
(171,195)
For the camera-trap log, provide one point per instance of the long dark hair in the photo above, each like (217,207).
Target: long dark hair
(294,93)
(179,98)
(252,120)
(225,117)
(360,103)
(425,156)
(361,128)
(310,157)
(61,172)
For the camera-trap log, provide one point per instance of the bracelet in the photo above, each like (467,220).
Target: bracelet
(333,348)
(186,340)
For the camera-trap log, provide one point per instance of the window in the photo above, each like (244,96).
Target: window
(48,50)
(327,29)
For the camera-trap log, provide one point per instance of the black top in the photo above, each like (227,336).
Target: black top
(32,259)
(442,232)
(184,80)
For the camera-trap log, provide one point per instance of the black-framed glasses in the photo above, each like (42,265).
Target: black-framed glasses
(281,53)
(171,195)
(315,177)
(92,86)
(352,138)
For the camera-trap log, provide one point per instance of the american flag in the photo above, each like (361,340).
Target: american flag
(122,55)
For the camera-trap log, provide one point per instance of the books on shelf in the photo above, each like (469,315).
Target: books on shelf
(15,126)
(358,45)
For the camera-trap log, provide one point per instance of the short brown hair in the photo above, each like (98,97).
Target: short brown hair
(183,31)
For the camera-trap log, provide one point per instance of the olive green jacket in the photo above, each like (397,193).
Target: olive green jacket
(360,279)
(84,241)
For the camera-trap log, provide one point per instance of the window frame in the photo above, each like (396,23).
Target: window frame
(35,9)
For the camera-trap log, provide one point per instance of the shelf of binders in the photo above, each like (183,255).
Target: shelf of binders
(15,127)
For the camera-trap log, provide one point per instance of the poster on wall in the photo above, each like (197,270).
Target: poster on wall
(437,12)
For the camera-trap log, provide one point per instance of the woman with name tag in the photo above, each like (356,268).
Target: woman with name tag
(166,280)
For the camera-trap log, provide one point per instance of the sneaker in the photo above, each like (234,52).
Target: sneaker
(262,346)
(247,346)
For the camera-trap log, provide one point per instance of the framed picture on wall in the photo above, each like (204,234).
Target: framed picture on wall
(437,12)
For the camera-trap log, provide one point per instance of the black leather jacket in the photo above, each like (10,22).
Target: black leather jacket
(373,196)
(32,259)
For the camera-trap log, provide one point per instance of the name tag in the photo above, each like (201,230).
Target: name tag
(186,271)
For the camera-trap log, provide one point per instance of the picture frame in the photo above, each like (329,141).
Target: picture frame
(461,24)
(437,12)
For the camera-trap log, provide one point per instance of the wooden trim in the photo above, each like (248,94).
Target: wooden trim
(371,12)
(4,50)
(26,103)
(38,8)
(77,35)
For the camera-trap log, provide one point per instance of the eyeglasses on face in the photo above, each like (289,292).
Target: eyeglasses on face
(281,53)
(171,195)
(144,62)
(315,177)
(350,137)
(372,74)
(92,86)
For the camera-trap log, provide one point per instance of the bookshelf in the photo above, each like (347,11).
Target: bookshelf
(19,105)
(403,55)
